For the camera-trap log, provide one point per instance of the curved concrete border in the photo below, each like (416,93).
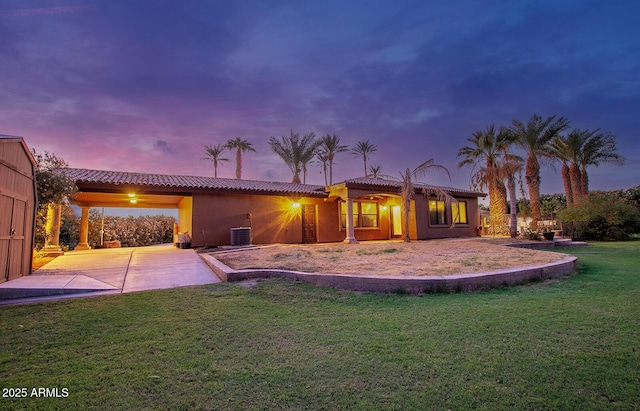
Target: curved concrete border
(406,284)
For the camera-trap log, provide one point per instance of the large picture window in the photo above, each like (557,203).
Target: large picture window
(459,212)
(437,215)
(365,214)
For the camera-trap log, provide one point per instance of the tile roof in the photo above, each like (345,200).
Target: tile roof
(195,182)
(386,183)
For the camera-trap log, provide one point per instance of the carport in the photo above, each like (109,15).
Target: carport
(138,191)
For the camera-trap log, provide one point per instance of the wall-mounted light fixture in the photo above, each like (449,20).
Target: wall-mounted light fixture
(295,205)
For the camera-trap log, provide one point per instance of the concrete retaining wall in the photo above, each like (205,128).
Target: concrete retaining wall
(412,285)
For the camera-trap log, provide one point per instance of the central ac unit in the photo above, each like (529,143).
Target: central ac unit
(241,236)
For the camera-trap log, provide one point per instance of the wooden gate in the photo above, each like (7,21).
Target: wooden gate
(12,239)
(17,208)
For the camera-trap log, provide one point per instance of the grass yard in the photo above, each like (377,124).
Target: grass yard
(572,343)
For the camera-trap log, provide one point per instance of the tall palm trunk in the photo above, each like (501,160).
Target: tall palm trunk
(238,164)
(330,169)
(566,181)
(497,206)
(407,194)
(365,165)
(501,189)
(532,177)
(576,183)
(324,167)
(513,206)
(497,198)
(584,180)
(296,177)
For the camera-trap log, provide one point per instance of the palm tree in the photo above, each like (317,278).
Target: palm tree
(578,150)
(599,147)
(330,144)
(486,149)
(323,158)
(213,154)
(364,149)
(509,166)
(296,152)
(375,171)
(408,181)
(241,146)
(566,150)
(534,138)
(308,148)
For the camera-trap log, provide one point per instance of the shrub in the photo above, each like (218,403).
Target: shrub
(603,216)
(131,231)
(532,235)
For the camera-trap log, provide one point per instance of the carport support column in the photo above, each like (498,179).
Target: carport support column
(52,231)
(351,236)
(84,230)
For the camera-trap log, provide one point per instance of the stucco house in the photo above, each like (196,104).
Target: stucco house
(209,208)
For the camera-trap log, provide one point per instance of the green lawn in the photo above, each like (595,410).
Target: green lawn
(568,344)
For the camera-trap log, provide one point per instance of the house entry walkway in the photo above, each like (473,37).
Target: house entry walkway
(110,271)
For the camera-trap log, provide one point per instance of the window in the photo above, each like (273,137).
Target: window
(437,214)
(459,212)
(368,214)
(365,214)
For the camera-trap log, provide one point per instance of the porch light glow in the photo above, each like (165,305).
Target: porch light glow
(383,208)
(133,201)
(295,205)
(131,195)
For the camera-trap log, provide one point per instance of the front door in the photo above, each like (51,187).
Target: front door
(309,223)
(396,221)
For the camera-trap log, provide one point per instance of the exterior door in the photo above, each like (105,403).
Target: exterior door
(12,218)
(309,224)
(396,221)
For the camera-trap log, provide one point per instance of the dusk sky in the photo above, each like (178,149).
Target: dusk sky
(142,86)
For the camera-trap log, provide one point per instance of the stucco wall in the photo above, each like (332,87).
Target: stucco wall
(459,230)
(329,222)
(185,216)
(272,219)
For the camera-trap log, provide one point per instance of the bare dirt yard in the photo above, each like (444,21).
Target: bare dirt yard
(417,258)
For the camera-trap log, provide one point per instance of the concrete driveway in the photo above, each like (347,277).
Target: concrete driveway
(114,270)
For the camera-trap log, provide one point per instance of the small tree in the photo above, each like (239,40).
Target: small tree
(322,157)
(309,147)
(296,152)
(330,146)
(375,171)
(408,189)
(364,149)
(52,186)
(213,155)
